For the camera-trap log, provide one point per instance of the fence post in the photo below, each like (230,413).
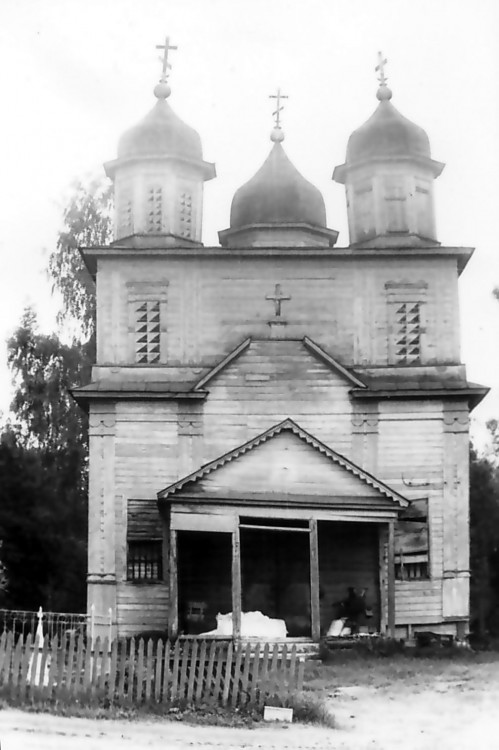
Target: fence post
(39,627)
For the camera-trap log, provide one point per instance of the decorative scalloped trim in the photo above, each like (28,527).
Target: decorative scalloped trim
(287,424)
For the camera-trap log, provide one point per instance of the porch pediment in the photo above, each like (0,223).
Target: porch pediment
(285,465)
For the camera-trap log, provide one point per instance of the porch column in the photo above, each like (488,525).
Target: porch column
(173,587)
(236,584)
(315,610)
(391,579)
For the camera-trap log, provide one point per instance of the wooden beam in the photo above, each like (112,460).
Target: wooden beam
(236,585)
(391,579)
(173,587)
(383,580)
(315,609)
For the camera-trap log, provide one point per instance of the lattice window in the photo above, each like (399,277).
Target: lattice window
(185,214)
(126,216)
(147,332)
(364,210)
(396,205)
(155,209)
(411,567)
(407,332)
(144,561)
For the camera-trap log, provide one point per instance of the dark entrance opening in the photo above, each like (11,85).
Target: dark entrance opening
(349,558)
(275,574)
(204,579)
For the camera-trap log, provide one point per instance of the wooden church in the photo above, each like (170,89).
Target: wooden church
(276,420)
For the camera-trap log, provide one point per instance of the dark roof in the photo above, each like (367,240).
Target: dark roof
(277,194)
(161,132)
(387,133)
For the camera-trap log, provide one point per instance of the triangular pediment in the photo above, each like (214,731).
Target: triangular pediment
(304,354)
(285,463)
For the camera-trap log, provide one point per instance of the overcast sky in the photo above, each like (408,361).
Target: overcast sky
(76,73)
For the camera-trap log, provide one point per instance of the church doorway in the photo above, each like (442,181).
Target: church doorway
(275,571)
(204,579)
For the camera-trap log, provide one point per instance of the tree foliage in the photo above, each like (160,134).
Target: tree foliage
(44,447)
(87,222)
(484,544)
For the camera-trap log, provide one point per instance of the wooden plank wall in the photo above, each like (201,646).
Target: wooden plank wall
(339,303)
(411,459)
(270,381)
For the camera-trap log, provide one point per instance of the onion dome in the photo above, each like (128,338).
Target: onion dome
(161,132)
(277,194)
(158,176)
(387,133)
(278,206)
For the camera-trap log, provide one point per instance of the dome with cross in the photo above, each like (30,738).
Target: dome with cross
(277,194)
(387,133)
(161,133)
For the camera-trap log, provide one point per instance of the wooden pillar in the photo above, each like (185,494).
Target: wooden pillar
(391,579)
(173,587)
(315,608)
(236,584)
(383,578)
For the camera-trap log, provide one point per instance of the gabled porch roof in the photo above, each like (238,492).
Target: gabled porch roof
(302,470)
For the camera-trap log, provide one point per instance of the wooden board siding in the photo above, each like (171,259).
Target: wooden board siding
(213,304)
(141,607)
(440,340)
(410,458)
(285,464)
(144,521)
(268,382)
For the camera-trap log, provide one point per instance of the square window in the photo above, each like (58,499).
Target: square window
(144,561)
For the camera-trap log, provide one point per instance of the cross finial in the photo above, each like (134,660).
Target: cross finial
(380,67)
(277,114)
(383,93)
(166,65)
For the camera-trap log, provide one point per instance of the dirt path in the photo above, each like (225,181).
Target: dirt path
(453,708)
(368,719)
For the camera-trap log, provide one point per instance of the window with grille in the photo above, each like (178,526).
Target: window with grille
(411,567)
(125,215)
(147,332)
(407,332)
(155,209)
(185,214)
(145,561)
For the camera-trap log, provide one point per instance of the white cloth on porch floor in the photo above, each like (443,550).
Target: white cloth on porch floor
(253,625)
(338,627)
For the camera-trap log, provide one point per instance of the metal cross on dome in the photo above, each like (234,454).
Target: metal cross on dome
(380,67)
(279,109)
(277,298)
(166,47)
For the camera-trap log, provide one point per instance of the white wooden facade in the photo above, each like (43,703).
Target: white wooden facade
(228,366)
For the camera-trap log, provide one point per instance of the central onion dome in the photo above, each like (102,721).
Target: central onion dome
(278,206)
(387,133)
(278,194)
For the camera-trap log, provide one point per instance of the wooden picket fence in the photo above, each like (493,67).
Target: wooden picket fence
(128,672)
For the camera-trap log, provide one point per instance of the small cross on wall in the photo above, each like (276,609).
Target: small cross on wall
(277,298)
